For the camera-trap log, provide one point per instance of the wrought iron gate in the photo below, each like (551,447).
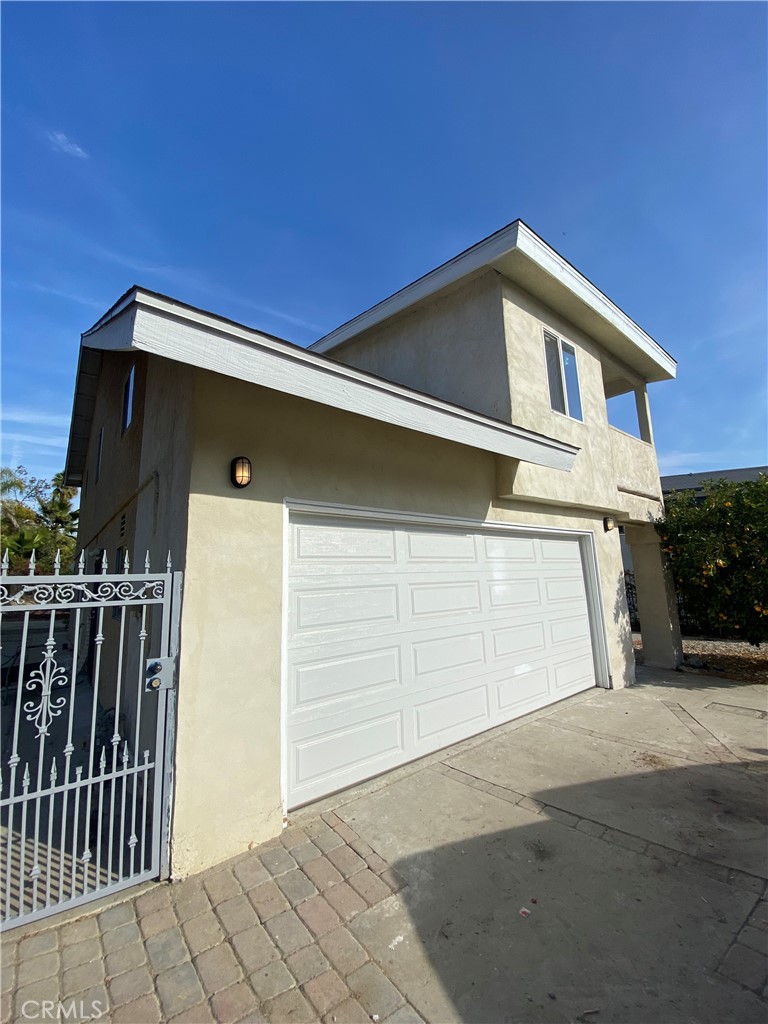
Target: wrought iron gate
(88,694)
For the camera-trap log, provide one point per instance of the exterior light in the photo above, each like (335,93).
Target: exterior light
(240,471)
(609,523)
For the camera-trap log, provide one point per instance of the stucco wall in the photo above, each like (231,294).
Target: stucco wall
(607,458)
(482,345)
(228,744)
(451,347)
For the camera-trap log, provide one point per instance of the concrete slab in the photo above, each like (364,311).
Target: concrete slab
(711,811)
(629,715)
(609,929)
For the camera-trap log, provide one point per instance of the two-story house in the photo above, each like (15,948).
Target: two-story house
(425,547)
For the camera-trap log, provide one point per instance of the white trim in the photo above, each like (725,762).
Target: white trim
(603,677)
(284,592)
(529,243)
(164,328)
(516,237)
(321,508)
(587,547)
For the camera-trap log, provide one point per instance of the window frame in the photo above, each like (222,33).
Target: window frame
(99,454)
(129,391)
(560,342)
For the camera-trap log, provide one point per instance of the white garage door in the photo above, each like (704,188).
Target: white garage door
(402,639)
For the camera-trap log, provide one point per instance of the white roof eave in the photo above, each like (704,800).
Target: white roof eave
(567,286)
(155,324)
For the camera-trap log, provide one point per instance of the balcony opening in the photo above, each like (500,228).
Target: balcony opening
(626,403)
(622,413)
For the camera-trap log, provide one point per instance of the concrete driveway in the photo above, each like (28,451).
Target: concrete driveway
(601,861)
(631,825)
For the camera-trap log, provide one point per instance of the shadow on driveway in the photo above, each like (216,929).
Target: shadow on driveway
(617,929)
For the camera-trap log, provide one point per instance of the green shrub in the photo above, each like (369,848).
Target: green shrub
(717,550)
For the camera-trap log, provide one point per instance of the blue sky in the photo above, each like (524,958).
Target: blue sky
(288,165)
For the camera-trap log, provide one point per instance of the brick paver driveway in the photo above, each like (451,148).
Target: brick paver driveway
(263,937)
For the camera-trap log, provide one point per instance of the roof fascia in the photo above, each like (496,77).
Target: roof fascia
(159,326)
(516,237)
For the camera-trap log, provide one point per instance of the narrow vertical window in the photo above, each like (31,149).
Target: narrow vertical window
(128,399)
(571,374)
(563,377)
(99,453)
(556,394)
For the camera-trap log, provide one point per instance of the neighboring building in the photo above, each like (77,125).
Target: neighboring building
(697,482)
(423,550)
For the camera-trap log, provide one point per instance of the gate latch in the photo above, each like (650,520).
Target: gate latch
(158,674)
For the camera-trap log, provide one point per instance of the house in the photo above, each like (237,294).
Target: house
(697,482)
(426,547)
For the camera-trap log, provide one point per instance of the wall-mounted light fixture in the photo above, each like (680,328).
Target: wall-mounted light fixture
(609,523)
(240,471)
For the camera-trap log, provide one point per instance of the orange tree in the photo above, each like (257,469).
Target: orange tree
(717,550)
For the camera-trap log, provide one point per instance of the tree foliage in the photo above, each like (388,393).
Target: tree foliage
(36,515)
(717,550)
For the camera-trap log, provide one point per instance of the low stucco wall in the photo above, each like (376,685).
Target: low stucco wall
(228,752)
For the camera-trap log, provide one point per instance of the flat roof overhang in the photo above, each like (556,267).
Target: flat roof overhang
(144,321)
(519,254)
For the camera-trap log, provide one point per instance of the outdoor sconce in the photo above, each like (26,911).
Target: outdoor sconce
(240,471)
(609,523)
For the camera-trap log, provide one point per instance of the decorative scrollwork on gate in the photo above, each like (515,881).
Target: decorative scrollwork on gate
(92,593)
(46,676)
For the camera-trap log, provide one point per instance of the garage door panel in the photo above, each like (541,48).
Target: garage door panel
(439,546)
(403,640)
(509,548)
(564,589)
(457,598)
(559,549)
(528,685)
(574,673)
(343,544)
(448,654)
(510,593)
(328,761)
(518,640)
(350,676)
(465,711)
(340,607)
(569,629)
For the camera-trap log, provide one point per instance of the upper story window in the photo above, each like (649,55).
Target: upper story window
(128,398)
(563,377)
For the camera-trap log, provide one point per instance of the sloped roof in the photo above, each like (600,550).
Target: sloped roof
(145,321)
(517,252)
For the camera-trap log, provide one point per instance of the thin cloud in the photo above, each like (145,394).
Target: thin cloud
(33,418)
(39,442)
(63,144)
(59,293)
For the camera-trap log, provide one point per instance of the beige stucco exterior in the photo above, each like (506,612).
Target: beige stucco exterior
(492,359)
(479,345)
(230,672)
